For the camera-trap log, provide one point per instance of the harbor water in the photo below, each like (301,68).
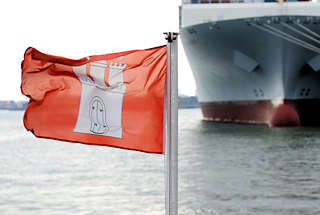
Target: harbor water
(224,169)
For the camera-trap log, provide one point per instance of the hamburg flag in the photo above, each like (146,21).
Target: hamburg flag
(109,100)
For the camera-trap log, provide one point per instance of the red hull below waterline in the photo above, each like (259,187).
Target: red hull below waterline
(304,112)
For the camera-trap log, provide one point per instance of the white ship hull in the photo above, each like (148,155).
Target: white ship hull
(262,58)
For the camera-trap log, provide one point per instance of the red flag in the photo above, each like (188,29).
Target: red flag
(110,100)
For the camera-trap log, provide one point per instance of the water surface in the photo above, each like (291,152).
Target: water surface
(224,169)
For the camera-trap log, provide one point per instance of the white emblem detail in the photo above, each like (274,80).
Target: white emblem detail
(115,78)
(98,116)
(100,109)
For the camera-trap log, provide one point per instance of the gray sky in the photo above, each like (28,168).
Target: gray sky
(78,28)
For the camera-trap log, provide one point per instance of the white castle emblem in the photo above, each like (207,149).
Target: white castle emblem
(100,110)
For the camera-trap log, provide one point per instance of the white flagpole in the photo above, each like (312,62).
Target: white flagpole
(171,148)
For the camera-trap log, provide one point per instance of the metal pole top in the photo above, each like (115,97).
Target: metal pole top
(171,36)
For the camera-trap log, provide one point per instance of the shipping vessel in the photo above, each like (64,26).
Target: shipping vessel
(254,62)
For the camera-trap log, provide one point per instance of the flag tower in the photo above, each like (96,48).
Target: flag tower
(99,99)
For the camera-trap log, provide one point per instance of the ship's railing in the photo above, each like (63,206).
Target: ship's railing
(236,1)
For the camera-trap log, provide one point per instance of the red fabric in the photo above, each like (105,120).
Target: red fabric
(54,91)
